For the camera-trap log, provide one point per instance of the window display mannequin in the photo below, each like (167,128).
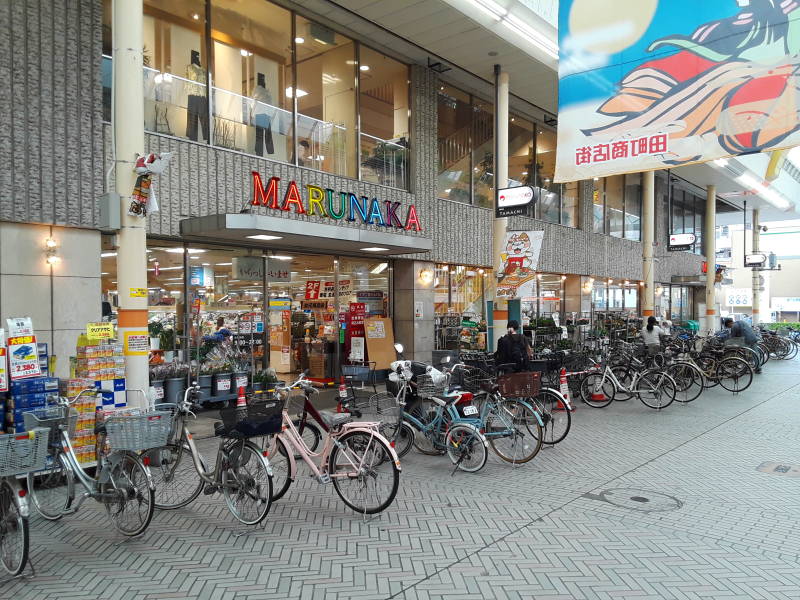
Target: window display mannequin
(262,116)
(196,102)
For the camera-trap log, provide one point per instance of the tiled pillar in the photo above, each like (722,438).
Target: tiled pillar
(413,290)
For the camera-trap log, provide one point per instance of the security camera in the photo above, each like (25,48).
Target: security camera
(764,228)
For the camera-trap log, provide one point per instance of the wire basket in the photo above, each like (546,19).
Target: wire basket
(138,431)
(382,407)
(257,419)
(519,385)
(53,418)
(21,453)
(427,388)
(473,379)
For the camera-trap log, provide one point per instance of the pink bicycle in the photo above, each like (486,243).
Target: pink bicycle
(355,457)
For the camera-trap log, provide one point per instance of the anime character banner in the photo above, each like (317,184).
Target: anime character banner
(652,84)
(519,259)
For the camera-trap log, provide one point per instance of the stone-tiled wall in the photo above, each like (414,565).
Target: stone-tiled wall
(50,140)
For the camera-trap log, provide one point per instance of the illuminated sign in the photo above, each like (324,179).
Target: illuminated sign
(513,201)
(327,203)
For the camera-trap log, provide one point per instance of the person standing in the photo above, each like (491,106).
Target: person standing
(513,349)
(651,335)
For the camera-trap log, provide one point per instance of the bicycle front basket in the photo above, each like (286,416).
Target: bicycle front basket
(52,417)
(21,453)
(254,420)
(427,388)
(138,432)
(519,385)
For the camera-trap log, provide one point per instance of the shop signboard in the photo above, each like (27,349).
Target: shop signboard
(515,200)
(661,83)
(200,276)
(3,363)
(251,323)
(99,331)
(680,242)
(280,303)
(22,349)
(372,300)
(330,286)
(755,260)
(251,268)
(739,297)
(312,289)
(519,259)
(786,304)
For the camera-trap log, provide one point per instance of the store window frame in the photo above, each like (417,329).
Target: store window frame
(208,40)
(697,212)
(600,187)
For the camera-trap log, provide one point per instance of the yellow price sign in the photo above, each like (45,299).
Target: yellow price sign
(138,292)
(99,331)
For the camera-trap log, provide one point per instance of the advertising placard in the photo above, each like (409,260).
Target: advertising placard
(658,84)
(22,351)
(519,259)
(100,331)
(312,289)
(137,343)
(3,362)
(514,201)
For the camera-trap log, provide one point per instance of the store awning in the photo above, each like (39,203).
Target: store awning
(300,235)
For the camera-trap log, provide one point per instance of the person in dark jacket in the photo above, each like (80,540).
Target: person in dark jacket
(513,348)
(742,329)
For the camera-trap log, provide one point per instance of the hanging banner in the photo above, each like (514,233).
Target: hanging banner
(519,258)
(22,350)
(655,84)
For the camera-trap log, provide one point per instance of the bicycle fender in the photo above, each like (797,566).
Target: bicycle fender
(475,428)
(373,433)
(566,400)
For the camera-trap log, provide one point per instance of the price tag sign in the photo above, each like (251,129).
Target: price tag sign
(138,292)
(100,331)
(137,343)
(3,362)
(23,357)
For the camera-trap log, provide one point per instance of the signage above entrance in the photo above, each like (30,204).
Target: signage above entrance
(755,260)
(515,201)
(680,241)
(327,203)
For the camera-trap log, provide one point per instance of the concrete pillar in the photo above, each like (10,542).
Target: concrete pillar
(128,136)
(413,290)
(500,308)
(709,236)
(648,240)
(756,272)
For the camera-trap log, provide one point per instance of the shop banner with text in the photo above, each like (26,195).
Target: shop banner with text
(519,258)
(654,84)
(22,349)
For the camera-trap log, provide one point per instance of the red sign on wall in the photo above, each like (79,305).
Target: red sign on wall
(312,290)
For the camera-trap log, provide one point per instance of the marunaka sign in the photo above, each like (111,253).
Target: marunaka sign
(327,203)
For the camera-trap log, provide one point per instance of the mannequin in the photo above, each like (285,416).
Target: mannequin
(196,102)
(262,105)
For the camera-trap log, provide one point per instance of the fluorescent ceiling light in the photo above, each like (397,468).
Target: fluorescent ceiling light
(380,268)
(224,264)
(263,236)
(374,249)
(206,264)
(107,254)
(281,257)
(194,257)
(180,250)
(534,36)
(364,67)
(299,40)
(300,93)
(167,269)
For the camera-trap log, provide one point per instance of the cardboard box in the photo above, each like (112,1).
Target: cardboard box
(35,385)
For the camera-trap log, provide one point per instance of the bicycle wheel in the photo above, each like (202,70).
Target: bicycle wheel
(402,438)
(625,376)
(134,505)
(176,480)
(515,433)
(281,467)
(14,535)
(51,491)
(593,395)
(734,374)
(688,381)
(363,471)
(466,448)
(708,366)
(310,433)
(246,483)
(557,419)
(430,441)
(656,389)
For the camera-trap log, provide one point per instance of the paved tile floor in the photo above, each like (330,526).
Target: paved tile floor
(564,526)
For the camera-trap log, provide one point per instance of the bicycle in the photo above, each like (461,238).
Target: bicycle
(355,457)
(241,470)
(20,453)
(447,425)
(654,388)
(122,482)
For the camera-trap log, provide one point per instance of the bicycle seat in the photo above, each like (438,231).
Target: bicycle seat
(334,419)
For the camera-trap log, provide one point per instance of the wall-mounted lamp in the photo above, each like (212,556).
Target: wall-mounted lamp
(481,271)
(563,278)
(641,283)
(50,252)
(426,276)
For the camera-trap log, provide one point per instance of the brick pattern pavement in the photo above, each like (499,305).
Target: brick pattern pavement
(533,531)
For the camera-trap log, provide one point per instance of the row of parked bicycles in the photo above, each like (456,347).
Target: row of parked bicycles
(148,459)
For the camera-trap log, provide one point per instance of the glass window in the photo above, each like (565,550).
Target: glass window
(569,204)
(467,290)
(615,194)
(383,102)
(175,69)
(520,152)
(326,115)
(598,207)
(441,289)
(699,223)
(633,206)
(252,71)
(550,295)
(549,208)
(454,132)
(483,154)
(677,211)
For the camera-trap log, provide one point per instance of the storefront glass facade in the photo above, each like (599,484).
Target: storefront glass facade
(460,306)
(229,81)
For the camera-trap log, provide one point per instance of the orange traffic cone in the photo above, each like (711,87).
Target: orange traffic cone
(564,389)
(342,393)
(241,400)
